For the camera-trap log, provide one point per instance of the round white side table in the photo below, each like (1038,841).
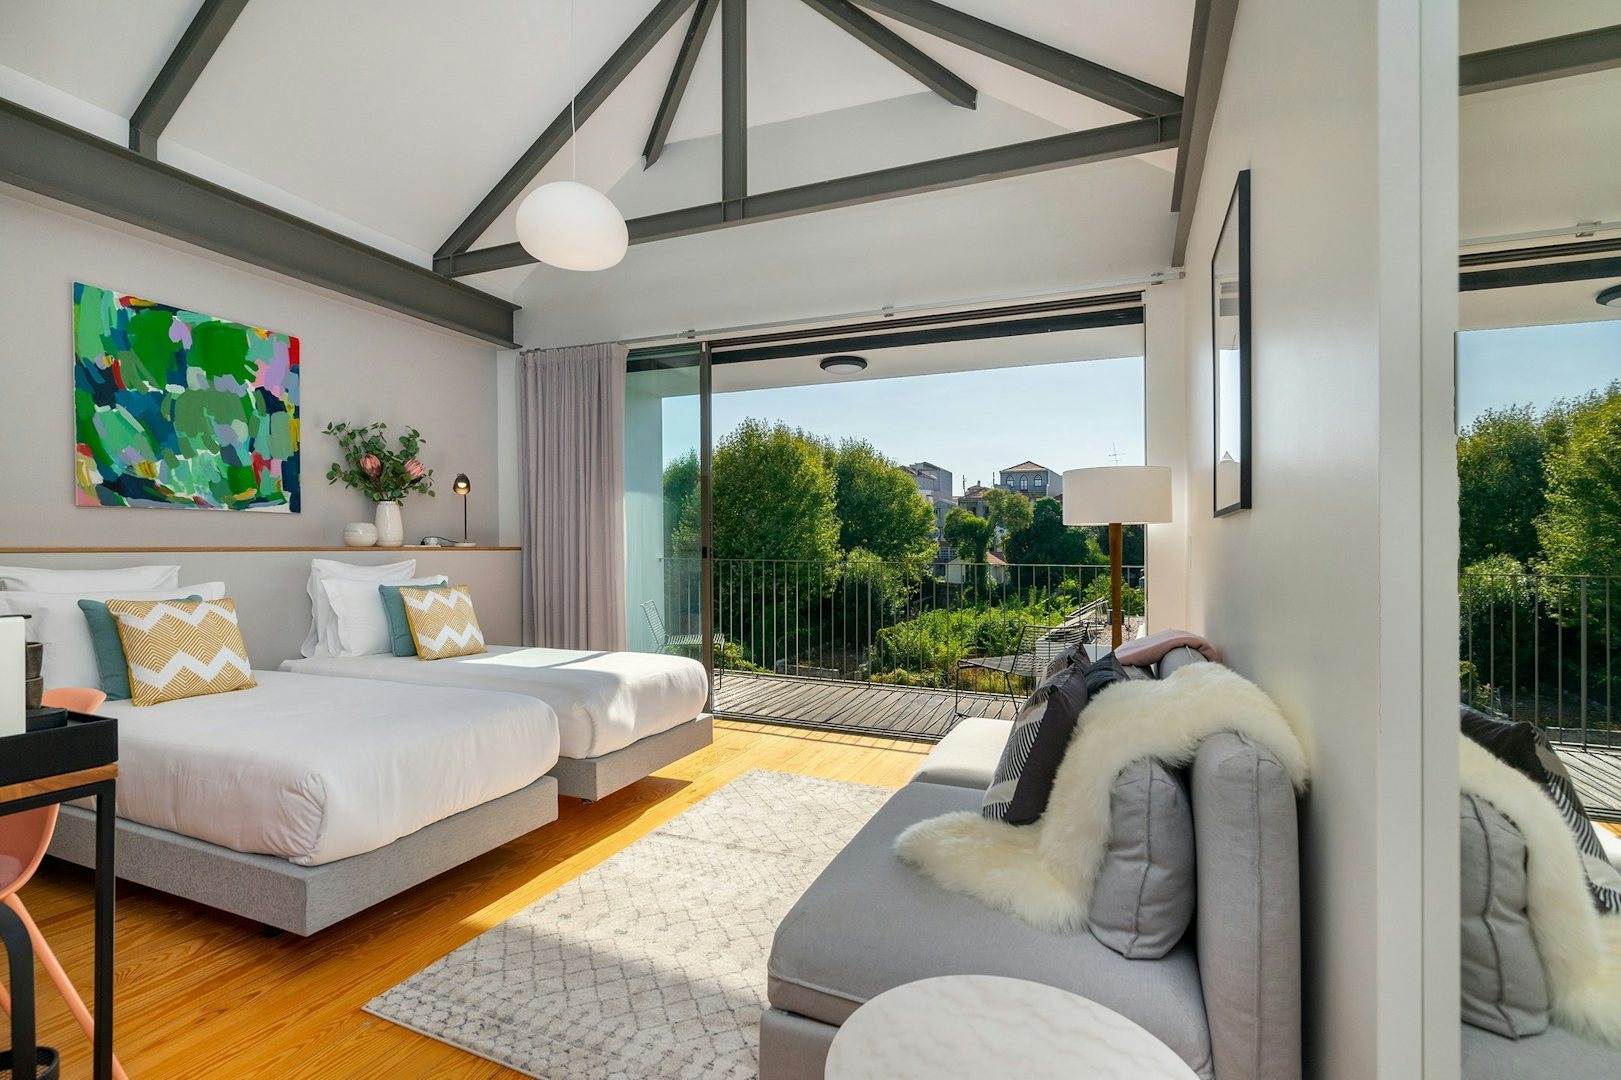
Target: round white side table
(977,1026)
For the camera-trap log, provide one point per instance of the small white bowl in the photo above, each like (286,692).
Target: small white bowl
(360,534)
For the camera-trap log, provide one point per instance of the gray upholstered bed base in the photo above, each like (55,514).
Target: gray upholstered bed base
(594,778)
(305,899)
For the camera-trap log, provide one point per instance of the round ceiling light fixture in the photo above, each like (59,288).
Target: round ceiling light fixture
(567,224)
(844,365)
(572,226)
(1610,297)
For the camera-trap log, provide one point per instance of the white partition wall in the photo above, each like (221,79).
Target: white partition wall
(1317,592)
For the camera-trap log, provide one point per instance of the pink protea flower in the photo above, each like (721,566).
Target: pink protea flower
(370,465)
(414,469)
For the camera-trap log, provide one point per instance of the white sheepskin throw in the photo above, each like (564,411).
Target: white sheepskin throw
(1044,873)
(1581,949)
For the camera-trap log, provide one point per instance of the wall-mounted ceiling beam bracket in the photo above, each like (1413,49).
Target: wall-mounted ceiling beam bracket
(1539,61)
(647,34)
(897,50)
(179,74)
(62,162)
(1033,57)
(1055,152)
(680,76)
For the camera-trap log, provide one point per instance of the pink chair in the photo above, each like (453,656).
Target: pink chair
(23,840)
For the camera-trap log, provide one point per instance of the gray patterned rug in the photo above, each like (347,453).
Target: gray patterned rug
(651,965)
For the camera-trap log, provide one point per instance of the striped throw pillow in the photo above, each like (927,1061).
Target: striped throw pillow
(443,622)
(181,648)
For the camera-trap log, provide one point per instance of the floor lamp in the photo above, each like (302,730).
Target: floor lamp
(1117,496)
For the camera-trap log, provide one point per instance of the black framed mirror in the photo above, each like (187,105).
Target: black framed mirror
(1231,351)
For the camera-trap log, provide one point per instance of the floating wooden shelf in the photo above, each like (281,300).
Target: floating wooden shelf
(149,550)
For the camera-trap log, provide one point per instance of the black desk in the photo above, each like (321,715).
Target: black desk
(75,760)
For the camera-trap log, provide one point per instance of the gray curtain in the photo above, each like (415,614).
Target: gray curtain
(571,454)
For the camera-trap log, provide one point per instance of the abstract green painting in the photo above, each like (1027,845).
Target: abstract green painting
(178,409)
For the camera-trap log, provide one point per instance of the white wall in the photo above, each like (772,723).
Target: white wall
(359,364)
(1315,593)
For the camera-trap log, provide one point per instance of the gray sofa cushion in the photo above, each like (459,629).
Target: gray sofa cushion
(870,922)
(967,756)
(1179,658)
(1556,1054)
(1503,986)
(1144,897)
(1248,919)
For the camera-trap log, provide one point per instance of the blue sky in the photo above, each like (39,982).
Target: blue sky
(1063,416)
(1534,365)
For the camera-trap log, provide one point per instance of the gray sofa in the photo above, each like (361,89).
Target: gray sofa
(1226,998)
(1504,989)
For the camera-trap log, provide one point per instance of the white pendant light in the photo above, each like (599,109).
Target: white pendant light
(572,226)
(567,224)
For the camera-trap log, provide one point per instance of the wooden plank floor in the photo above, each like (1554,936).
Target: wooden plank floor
(915,712)
(202,995)
(1597,776)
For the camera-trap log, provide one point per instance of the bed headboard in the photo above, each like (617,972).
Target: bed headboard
(268,584)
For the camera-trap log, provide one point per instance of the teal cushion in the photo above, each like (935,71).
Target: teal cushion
(399,627)
(110,659)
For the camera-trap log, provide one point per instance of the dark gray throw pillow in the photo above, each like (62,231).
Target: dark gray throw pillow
(1503,986)
(1143,900)
(1035,748)
(1524,748)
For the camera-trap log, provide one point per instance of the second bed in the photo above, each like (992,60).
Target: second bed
(620,715)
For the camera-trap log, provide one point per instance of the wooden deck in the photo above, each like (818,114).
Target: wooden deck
(832,704)
(1597,775)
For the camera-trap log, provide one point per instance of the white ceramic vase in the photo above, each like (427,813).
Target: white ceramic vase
(360,534)
(390,525)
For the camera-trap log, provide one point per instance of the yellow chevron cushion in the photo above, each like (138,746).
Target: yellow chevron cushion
(443,622)
(181,648)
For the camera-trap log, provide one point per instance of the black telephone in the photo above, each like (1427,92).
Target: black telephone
(436,541)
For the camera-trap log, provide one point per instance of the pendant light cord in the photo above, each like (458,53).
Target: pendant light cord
(573,93)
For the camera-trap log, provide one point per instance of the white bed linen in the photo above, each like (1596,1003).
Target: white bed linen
(604,701)
(315,770)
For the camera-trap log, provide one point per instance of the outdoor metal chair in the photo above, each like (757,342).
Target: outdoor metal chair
(682,644)
(1037,647)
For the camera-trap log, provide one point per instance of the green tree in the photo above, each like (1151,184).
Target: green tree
(969,534)
(1131,543)
(1580,528)
(682,506)
(878,506)
(1008,511)
(1047,540)
(1500,484)
(774,496)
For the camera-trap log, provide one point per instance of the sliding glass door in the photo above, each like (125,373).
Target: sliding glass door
(666,462)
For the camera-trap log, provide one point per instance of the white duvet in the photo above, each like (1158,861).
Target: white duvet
(314,770)
(604,700)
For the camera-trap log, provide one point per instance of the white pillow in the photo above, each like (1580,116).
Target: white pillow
(359,617)
(70,654)
(33,579)
(323,635)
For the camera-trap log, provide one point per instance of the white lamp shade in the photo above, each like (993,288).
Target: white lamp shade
(1118,494)
(572,226)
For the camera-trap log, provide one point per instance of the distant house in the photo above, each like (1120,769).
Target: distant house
(935,485)
(973,500)
(957,571)
(1031,480)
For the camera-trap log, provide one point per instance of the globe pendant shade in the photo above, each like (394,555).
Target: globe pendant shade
(571,226)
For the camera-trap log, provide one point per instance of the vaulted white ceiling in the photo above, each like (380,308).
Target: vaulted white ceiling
(388,120)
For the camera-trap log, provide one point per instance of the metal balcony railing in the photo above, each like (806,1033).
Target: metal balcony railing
(875,624)
(1542,647)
